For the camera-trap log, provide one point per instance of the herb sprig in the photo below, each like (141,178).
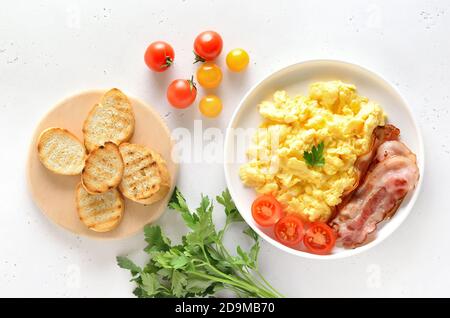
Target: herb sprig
(315,158)
(201,265)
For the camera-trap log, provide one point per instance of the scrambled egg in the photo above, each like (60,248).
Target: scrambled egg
(333,113)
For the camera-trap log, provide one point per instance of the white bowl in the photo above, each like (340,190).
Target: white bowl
(295,79)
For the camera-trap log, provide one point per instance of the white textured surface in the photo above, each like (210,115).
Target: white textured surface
(51,49)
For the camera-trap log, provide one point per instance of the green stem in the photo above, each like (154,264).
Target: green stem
(268,284)
(241,285)
(225,227)
(250,281)
(247,275)
(237,269)
(220,280)
(248,278)
(238,292)
(205,255)
(250,285)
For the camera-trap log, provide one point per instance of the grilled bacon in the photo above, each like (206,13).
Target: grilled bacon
(392,172)
(380,135)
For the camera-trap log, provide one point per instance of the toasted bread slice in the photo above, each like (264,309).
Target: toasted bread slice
(111,120)
(145,178)
(61,152)
(103,170)
(164,186)
(99,212)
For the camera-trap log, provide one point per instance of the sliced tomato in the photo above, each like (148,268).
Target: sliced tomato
(319,238)
(289,230)
(266,210)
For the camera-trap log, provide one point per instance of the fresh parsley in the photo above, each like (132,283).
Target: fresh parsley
(315,158)
(201,265)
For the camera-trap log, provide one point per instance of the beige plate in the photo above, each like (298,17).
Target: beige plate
(55,194)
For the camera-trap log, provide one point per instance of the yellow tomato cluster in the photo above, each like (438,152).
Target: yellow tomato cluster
(209,76)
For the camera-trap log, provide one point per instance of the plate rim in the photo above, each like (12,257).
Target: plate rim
(415,194)
(31,148)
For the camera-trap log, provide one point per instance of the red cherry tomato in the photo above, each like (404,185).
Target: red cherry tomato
(266,210)
(319,238)
(181,93)
(159,56)
(207,46)
(289,230)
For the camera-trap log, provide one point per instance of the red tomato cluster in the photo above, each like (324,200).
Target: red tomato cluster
(289,230)
(181,93)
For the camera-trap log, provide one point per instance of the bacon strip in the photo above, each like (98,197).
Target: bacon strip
(380,135)
(393,174)
(393,148)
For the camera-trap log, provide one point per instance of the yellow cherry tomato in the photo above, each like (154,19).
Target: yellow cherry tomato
(237,60)
(210,106)
(209,75)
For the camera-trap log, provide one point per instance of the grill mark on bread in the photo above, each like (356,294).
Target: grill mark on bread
(110,120)
(141,172)
(136,160)
(116,117)
(140,164)
(142,179)
(93,203)
(99,212)
(143,184)
(151,185)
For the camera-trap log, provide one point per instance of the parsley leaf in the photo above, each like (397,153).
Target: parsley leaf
(126,263)
(315,158)
(150,284)
(249,231)
(231,211)
(178,284)
(155,239)
(178,203)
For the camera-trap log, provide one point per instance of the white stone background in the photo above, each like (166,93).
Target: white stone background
(52,49)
